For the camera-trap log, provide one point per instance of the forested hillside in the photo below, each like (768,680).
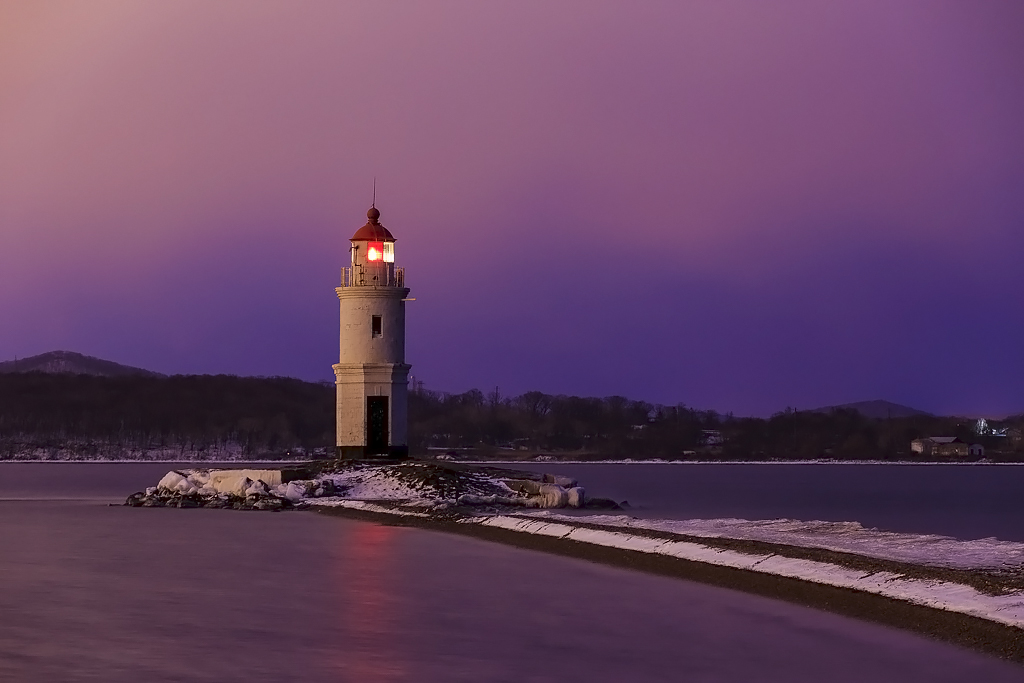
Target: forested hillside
(189,416)
(621,428)
(68,416)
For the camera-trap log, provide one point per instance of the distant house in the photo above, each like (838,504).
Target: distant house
(713,437)
(976,449)
(943,446)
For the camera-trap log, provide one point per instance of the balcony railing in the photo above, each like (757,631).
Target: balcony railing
(385,275)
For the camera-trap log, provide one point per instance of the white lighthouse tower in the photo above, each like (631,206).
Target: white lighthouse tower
(372,375)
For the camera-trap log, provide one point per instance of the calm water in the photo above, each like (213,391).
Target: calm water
(100,593)
(954,500)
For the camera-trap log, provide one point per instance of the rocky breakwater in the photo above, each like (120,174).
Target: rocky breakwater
(552,491)
(236,489)
(426,486)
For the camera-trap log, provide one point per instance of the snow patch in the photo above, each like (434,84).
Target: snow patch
(849,537)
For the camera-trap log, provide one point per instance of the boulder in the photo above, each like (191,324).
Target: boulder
(553,496)
(257,488)
(564,482)
(577,497)
(531,488)
(324,487)
(199,477)
(171,480)
(602,504)
(293,491)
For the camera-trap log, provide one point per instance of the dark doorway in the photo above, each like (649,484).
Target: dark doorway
(376,424)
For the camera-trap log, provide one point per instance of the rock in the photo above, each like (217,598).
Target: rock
(577,497)
(257,488)
(553,496)
(199,478)
(294,491)
(151,490)
(268,504)
(135,500)
(170,480)
(473,499)
(524,486)
(564,482)
(324,487)
(602,504)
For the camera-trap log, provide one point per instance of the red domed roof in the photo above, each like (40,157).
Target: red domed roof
(373,231)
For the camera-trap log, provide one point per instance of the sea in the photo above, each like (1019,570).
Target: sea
(95,591)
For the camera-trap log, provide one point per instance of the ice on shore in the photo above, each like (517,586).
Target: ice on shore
(848,537)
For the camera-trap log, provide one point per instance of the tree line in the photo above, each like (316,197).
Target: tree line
(187,414)
(616,427)
(198,416)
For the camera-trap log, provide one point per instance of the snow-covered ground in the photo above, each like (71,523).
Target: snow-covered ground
(376,484)
(849,537)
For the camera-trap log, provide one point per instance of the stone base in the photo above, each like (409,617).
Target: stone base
(361,453)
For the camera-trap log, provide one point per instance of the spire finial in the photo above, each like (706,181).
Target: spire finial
(373,214)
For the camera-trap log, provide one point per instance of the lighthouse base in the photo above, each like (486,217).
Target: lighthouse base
(367,453)
(372,409)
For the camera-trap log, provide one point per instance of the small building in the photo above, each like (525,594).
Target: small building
(976,449)
(712,437)
(942,446)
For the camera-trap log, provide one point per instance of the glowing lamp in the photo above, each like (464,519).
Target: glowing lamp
(375,251)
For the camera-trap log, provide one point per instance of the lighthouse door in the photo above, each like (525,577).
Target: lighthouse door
(376,424)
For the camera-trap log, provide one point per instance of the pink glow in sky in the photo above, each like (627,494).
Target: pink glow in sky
(733,205)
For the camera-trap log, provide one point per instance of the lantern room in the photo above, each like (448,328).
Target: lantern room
(373,255)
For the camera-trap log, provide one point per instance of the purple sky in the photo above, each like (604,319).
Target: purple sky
(734,205)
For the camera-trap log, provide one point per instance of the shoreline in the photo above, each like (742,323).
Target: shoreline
(546,463)
(956,627)
(627,461)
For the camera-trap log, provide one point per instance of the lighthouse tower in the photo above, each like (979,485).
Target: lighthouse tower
(372,375)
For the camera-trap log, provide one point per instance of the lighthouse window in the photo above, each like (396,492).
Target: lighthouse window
(389,252)
(375,251)
(376,327)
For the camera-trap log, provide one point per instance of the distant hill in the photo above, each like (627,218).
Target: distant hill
(69,362)
(876,409)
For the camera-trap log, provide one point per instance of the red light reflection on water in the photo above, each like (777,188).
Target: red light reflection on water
(370,611)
